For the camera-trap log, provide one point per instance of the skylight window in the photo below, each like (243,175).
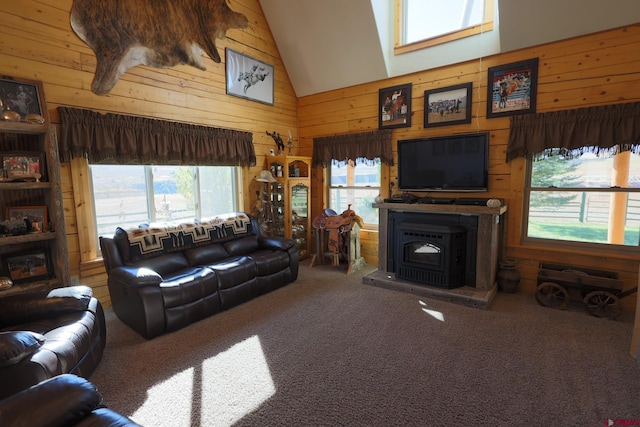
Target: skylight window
(424,23)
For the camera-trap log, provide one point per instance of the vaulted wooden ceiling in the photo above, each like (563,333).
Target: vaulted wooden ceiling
(331,44)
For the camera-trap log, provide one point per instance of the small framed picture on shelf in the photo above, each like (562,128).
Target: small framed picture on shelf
(28,267)
(37,216)
(22,166)
(22,97)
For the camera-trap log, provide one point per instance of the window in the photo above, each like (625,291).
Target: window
(127,196)
(424,23)
(584,201)
(355,185)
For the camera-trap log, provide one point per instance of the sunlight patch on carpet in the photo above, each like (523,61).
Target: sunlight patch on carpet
(219,392)
(438,315)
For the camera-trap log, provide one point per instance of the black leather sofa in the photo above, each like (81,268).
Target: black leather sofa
(47,333)
(162,278)
(62,401)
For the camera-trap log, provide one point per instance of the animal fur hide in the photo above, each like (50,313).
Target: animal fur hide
(157,33)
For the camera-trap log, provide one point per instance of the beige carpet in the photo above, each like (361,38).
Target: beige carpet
(330,351)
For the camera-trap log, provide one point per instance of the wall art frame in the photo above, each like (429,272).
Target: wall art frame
(37,216)
(23,97)
(248,77)
(394,107)
(23,166)
(28,267)
(448,106)
(512,88)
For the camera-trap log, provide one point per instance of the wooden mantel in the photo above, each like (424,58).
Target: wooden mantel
(478,294)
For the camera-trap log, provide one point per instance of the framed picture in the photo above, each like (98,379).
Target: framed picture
(22,97)
(448,106)
(512,88)
(394,107)
(37,216)
(22,166)
(28,267)
(249,78)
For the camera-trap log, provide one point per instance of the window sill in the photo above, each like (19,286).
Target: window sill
(530,250)
(445,38)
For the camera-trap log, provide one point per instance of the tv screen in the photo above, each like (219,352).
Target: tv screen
(444,163)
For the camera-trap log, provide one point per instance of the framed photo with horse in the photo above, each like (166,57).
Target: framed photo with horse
(512,88)
(248,78)
(448,106)
(394,107)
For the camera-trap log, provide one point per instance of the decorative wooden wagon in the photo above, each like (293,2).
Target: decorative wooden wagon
(600,291)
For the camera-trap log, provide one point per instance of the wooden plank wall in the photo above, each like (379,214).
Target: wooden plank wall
(597,69)
(37,42)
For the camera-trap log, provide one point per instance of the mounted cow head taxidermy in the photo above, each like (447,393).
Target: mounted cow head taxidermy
(158,33)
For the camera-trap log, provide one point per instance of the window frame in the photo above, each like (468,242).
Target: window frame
(614,249)
(399,47)
(352,165)
(85,210)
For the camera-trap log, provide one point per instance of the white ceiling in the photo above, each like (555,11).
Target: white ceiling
(332,44)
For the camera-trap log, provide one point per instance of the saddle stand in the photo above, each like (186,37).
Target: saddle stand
(338,237)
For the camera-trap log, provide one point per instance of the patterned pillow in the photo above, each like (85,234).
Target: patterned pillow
(156,239)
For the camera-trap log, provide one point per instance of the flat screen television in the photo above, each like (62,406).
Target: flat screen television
(444,163)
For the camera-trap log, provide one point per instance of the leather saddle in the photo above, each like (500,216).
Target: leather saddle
(337,224)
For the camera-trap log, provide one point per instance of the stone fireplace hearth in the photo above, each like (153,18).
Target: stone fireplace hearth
(447,252)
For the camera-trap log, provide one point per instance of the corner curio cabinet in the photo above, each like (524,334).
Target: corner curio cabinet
(33,241)
(291,199)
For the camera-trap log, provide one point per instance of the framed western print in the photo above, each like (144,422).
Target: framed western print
(512,88)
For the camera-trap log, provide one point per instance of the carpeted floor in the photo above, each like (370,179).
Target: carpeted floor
(330,351)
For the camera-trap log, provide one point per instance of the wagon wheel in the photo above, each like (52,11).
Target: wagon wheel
(552,295)
(602,304)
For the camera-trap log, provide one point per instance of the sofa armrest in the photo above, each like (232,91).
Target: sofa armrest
(135,277)
(275,242)
(30,306)
(60,401)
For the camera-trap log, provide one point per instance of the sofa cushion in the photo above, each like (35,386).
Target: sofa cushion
(163,265)
(188,285)
(269,262)
(204,255)
(234,271)
(242,246)
(18,345)
(155,239)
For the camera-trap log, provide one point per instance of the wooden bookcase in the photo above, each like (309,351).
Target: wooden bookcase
(47,242)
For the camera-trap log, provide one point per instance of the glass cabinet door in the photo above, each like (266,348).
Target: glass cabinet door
(300,217)
(277,203)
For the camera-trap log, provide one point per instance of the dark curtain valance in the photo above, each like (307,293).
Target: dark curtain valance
(604,129)
(120,139)
(360,147)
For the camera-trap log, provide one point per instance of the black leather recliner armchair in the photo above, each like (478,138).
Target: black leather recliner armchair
(47,333)
(65,400)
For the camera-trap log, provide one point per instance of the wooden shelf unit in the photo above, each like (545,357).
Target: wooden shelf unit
(16,137)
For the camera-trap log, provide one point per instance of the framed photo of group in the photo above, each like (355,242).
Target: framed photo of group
(22,166)
(37,216)
(448,106)
(28,267)
(394,107)
(512,88)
